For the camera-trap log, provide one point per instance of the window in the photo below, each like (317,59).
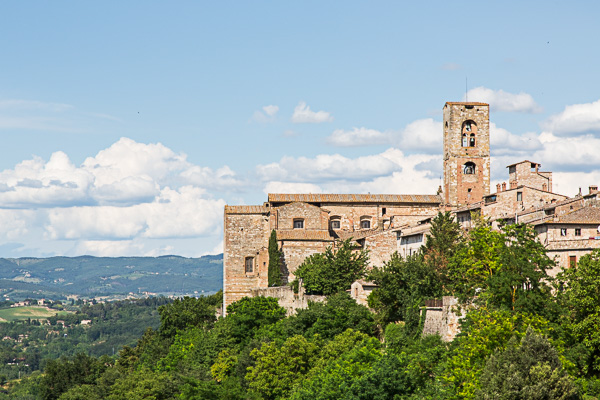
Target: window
(577,231)
(468,126)
(572,261)
(249,263)
(563,231)
(335,224)
(365,224)
(383,211)
(472,140)
(519,196)
(298,224)
(464,140)
(469,168)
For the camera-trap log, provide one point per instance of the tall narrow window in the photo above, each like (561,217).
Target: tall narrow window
(519,196)
(472,140)
(383,211)
(465,140)
(572,261)
(577,231)
(563,231)
(249,265)
(298,224)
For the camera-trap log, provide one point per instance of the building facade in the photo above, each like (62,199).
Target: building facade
(306,224)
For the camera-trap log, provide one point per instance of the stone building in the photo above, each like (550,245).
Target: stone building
(306,224)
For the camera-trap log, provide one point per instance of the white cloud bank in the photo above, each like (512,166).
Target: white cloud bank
(131,192)
(303,115)
(575,119)
(499,100)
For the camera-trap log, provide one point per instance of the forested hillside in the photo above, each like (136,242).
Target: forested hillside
(524,335)
(87,276)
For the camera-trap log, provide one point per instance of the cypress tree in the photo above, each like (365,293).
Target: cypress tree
(274,261)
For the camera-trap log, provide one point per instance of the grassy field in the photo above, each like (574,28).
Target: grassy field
(22,313)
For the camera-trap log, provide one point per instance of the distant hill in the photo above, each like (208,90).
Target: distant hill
(87,276)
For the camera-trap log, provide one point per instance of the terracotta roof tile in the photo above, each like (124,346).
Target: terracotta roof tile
(585,215)
(354,198)
(300,234)
(246,210)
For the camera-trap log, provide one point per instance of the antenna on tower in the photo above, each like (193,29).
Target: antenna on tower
(466,90)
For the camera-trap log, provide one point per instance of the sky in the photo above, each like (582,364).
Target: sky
(127,126)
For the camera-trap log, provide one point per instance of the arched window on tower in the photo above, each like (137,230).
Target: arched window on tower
(472,140)
(465,142)
(468,131)
(469,168)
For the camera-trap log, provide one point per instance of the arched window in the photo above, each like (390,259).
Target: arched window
(465,140)
(472,140)
(469,168)
(335,223)
(469,131)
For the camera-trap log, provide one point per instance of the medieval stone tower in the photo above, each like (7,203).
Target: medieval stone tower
(466,152)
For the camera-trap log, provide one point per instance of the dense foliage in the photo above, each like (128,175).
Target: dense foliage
(333,271)
(275,256)
(518,339)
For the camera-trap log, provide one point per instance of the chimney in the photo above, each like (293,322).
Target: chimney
(593,189)
(497,187)
(545,187)
(503,186)
(513,185)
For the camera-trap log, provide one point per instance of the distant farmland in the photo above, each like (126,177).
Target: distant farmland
(23,313)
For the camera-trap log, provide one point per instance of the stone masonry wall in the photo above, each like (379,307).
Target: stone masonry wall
(313,217)
(246,235)
(381,246)
(455,154)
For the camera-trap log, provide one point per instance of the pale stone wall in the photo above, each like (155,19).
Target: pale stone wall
(381,246)
(246,235)
(360,291)
(287,298)
(507,203)
(294,253)
(444,320)
(526,173)
(313,217)
(461,188)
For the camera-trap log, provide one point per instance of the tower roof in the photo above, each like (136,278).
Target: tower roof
(466,103)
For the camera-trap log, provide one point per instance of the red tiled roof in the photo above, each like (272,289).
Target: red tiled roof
(467,103)
(300,234)
(245,210)
(354,198)
(585,215)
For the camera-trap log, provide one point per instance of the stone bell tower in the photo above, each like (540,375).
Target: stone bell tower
(466,152)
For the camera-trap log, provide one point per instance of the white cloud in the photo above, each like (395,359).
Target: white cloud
(266,115)
(504,142)
(423,134)
(270,110)
(303,114)
(387,172)
(358,137)
(499,100)
(575,119)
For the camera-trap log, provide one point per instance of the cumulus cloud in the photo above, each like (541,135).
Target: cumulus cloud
(499,100)
(423,134)
(358,137)
(266,115)
(389,172)
(303,114)
(575,119)
(504,142)
(129,192)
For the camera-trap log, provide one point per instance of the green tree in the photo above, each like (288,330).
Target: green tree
(530,369)
(246,316)
(402,286)
(441,244)
(333,271)
(184,313)
(279,368)
(274,261)
(581,298)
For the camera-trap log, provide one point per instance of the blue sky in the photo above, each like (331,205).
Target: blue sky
(126,126)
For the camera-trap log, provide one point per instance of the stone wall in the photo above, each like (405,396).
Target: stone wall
(287,298)
(381,246)
(313,217)
(246,236)
(461,188)
(526,173)
(443,320)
